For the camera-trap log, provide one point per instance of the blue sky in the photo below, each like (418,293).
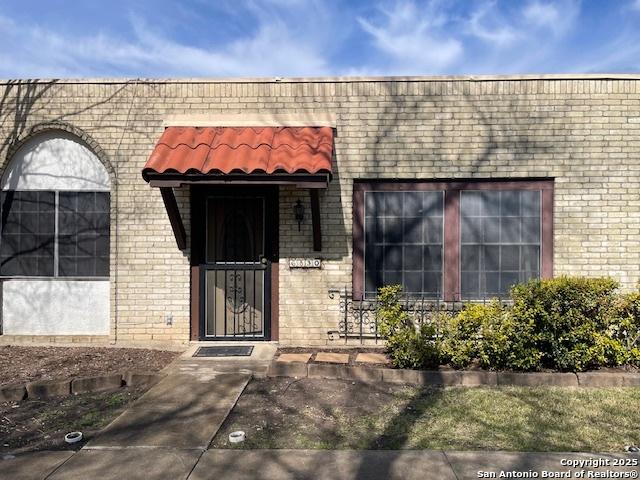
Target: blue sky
(222,38)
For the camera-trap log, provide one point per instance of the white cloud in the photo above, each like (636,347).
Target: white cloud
(409,36)
(620,54)
(271,50)
(487,24)
(557,17)
(33,51)
(543,14)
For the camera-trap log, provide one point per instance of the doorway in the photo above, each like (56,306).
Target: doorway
(237,247)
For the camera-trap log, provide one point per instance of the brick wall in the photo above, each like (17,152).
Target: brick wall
(584,132)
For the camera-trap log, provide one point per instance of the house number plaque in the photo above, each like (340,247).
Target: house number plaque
(305,263)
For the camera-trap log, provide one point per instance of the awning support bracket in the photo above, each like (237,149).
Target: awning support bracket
(173,212)
(315,220)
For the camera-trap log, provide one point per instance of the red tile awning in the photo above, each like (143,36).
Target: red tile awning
(299,156)
(239,152)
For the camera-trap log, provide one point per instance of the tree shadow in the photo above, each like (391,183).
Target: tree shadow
(19,101)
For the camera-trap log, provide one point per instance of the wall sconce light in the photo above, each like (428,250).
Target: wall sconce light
(298,211)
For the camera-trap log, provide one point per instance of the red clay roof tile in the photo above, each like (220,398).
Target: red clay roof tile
(223,150)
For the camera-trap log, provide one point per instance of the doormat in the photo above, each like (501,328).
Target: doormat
(224,351)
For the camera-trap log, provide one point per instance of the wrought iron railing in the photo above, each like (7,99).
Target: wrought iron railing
(358,320)
(233,300)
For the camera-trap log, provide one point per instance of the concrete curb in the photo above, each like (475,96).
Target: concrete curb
(538,379)
(12,393)
(48,388)
(608,379)
(452,377)
(43,389)
(96,384)
(136,379)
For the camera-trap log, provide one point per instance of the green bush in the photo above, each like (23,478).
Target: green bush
(565,323)
(508,343)
(461,335)
(408,345)
(624,331)
(568,316)
(489,335)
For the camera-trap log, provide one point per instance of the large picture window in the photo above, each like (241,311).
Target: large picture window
(451,240)
(49,234)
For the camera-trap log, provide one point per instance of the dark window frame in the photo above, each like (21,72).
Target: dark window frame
(452,241)
(56,275)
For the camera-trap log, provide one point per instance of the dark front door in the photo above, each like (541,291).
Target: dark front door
(236,273)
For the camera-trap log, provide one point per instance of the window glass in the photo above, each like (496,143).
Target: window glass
(403,241)
(500,240)
(27,233)
(235,229)
(83,235)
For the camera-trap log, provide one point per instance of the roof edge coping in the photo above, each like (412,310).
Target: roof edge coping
(334,79)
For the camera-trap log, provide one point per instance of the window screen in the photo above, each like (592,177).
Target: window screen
(83,234)
(27,233)
(403,241)
(500,240)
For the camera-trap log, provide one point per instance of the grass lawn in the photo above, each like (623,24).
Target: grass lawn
(306,413)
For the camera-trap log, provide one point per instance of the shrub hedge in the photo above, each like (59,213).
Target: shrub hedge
(565,323)
(409,345)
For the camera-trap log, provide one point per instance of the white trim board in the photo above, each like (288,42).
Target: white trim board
(253,120)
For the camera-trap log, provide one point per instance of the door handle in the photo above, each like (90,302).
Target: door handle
(263,260)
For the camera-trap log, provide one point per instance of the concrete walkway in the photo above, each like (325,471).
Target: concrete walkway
(179,412)
(186,408)
(180,464)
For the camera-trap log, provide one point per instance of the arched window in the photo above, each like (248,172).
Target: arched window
(54,204)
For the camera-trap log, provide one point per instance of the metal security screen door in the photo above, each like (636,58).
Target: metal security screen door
(236,280)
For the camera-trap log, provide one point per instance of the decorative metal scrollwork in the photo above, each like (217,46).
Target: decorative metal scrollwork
(357,317)
(235,294)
